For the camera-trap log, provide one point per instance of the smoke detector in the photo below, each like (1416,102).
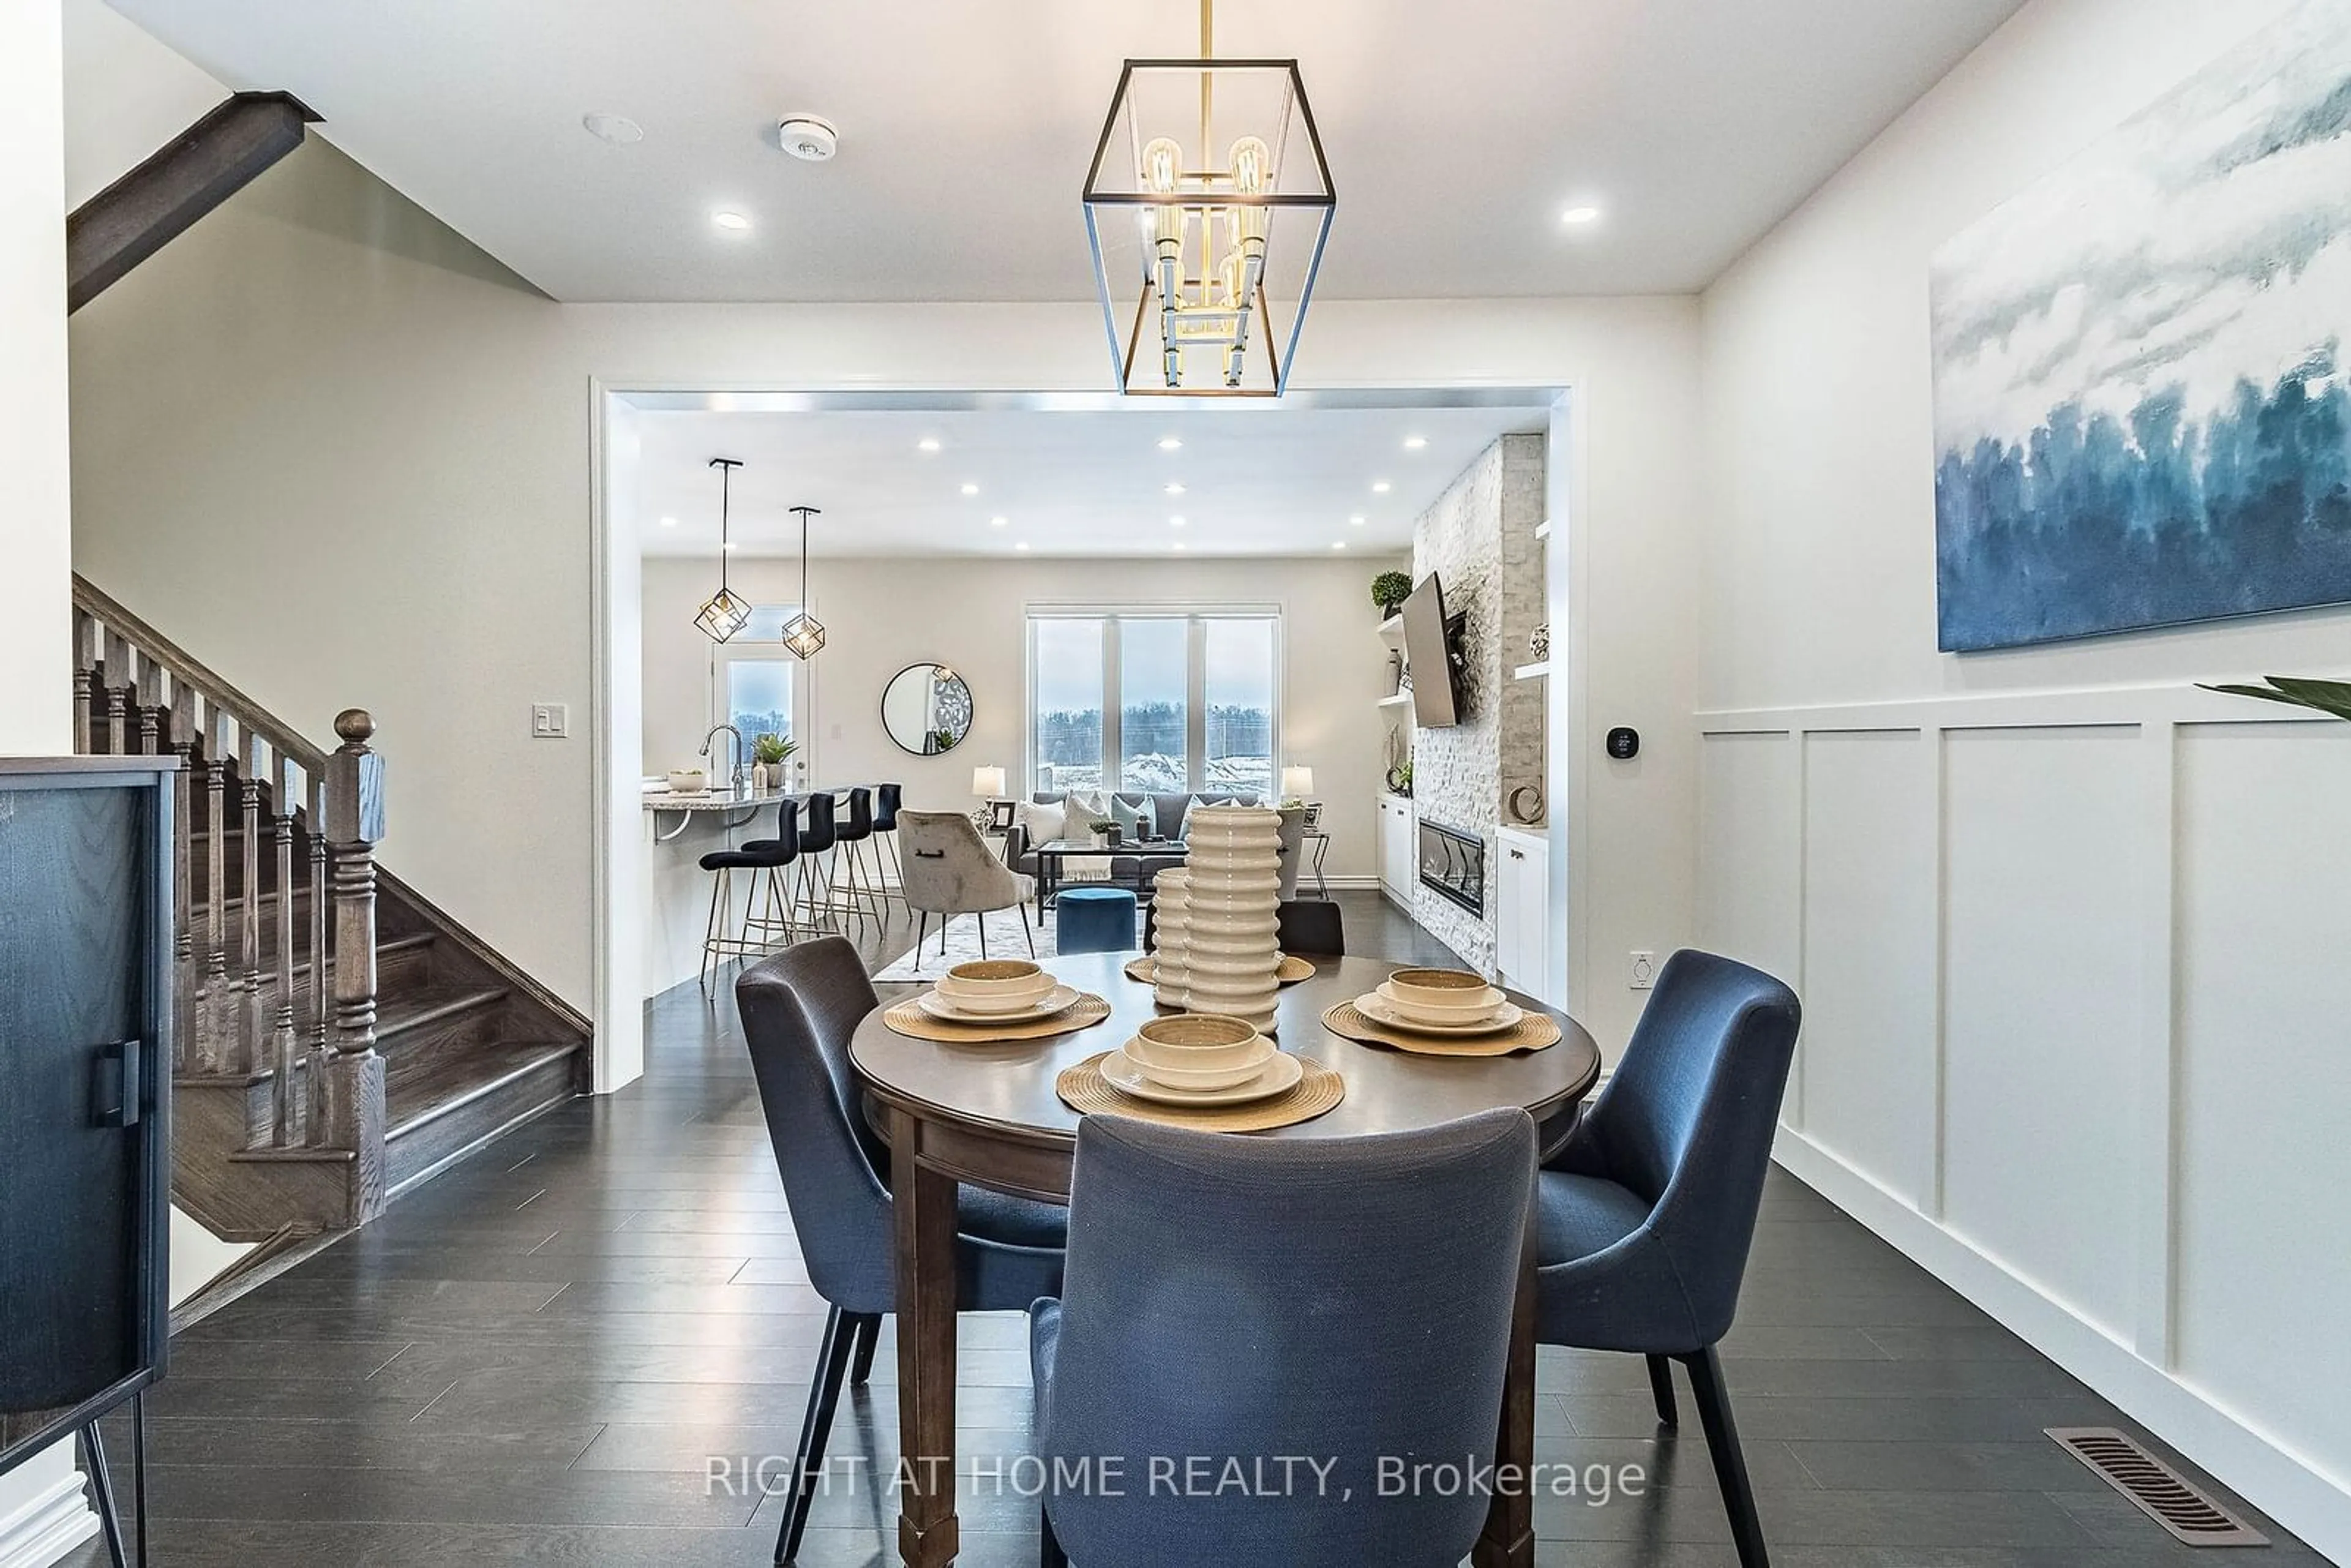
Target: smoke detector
(805,137)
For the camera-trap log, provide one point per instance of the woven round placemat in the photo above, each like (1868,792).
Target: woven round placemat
(909,1019)
(1083,1089)
(1144,971)
(1533,1032)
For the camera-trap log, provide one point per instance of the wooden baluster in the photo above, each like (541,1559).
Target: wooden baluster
(354,827)
(186,969)
(216,1018)
(285,1040)
(151,712)
(321,991)
(118,694)
(253,1008)
(85,679)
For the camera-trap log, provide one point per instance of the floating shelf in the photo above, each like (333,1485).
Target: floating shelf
(1396,701)
(1542,530)
(1392,630)
(1534,671)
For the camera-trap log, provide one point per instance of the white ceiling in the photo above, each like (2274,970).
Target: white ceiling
(1457,130)
(1258,481)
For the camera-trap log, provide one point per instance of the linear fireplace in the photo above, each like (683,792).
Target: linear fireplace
(1452,863)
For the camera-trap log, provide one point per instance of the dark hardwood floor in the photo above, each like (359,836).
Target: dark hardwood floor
(538,1356)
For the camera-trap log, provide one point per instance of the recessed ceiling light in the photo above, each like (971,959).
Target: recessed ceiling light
(1576,217)
(1381,486)
(969,488)
(1169,444)
(669,522)
(928,443)
(1175,522)
(1338,544)
(1356,521)
(1022,545)
(616,129)
(1174,489)
(998,522)
(732,545)
(1177,545)
(730,220)
(1415,442)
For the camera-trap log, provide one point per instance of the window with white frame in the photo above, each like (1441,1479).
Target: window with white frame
(755,680)
(1155,700)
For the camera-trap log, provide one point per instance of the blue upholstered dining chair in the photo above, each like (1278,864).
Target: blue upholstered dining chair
(1649,1211)
(1226,1297)
(800,1009)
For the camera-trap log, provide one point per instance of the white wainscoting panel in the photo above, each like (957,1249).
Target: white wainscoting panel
(2264,1144)
(1867,1091)
(2045,841)
(2077,975)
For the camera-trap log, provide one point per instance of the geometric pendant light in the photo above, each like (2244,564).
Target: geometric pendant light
(726,611)
(804,633)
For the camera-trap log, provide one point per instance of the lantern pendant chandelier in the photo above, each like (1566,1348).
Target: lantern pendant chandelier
(726,612)
(804,633)
(1181,216)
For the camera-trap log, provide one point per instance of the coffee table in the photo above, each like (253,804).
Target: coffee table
(1054,855)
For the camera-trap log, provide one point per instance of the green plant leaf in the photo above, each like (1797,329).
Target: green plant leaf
(2332,697)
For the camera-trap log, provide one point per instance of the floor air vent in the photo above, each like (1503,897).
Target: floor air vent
(2160,1492)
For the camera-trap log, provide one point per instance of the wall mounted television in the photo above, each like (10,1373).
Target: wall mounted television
(1432,648)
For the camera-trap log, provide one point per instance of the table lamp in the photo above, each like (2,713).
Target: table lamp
(988,783)
(1297,783)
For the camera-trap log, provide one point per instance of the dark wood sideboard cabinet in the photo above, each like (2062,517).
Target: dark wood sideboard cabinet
(86,1045)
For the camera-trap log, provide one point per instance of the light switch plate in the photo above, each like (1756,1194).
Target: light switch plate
(550,721)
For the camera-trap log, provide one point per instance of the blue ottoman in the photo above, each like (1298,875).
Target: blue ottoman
(1093,920)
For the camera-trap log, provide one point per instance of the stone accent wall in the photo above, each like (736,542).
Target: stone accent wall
(1478,540)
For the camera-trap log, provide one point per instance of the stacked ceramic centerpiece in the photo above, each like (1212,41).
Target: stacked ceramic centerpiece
(1171,923)
(1232,911)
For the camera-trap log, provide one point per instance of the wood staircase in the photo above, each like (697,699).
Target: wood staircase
(339,1038)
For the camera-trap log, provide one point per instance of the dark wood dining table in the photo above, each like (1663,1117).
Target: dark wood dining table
(989,1114)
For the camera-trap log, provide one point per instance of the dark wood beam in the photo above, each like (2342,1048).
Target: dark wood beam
(162,199)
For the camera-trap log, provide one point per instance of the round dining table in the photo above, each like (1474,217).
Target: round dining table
(988,1113)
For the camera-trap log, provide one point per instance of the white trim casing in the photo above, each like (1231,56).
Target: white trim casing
(47,1526)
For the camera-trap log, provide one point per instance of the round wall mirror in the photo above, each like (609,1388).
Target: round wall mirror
(926,708)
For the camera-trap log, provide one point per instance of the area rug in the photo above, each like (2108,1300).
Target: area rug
(1004,941)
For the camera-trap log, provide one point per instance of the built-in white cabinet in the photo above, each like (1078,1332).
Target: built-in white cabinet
(1399,853)
(1522,911)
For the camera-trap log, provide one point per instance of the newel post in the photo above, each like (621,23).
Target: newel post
(354,1092)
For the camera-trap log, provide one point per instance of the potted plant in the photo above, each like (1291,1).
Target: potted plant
(769,754)
(1106,832)
(2320,697)
(1389,590)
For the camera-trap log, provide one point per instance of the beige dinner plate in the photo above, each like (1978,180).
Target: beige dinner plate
(1124,1073)
(1061,999)
(1382,1011)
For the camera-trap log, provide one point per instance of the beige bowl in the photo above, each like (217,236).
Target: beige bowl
(1441,995)
(996,986)
(1199,1042)
(688,781)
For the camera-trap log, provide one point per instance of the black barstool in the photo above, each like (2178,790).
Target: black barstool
(886,799)
(855,836)
(762,859)
(776,914)
(817,835)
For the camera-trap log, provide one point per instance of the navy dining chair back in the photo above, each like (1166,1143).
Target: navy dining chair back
(818,832)
(859,825)
(1348,1299)
(887,798)
(1311,927)
(787,832)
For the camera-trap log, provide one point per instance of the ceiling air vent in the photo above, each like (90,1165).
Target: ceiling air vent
(2160,1492)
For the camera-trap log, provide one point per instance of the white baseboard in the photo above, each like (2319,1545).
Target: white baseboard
(47,1526)
(1344,883)
(2291,1489)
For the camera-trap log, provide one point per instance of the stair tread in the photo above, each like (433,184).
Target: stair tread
(414,1101)
(431,1004)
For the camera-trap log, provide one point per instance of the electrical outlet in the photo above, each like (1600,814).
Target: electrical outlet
(550,721)
(1643,972)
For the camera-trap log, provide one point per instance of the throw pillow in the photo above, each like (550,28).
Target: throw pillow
(1086,807)
(1190,806)
(1042,824)
(1135,822)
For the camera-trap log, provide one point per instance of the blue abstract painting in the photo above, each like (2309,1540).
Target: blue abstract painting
(2142,402)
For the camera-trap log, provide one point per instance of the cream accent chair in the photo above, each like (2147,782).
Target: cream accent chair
(949,871)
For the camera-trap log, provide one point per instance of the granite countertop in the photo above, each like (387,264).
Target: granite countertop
(707,800)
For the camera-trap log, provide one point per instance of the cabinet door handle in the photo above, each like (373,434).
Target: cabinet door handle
(1517,854)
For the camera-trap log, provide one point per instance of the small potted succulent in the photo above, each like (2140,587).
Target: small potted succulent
(1107,832)
(769,754)
(1389,590)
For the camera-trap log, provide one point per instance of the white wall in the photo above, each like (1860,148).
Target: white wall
(345,458)
(41,1513)
(131,96)
(2065,937)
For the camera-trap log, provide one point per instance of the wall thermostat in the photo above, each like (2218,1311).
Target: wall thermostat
(1624,744)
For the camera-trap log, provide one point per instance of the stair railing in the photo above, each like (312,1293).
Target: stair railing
(306,821)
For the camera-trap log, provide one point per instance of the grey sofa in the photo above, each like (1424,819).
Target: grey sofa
(1128,868)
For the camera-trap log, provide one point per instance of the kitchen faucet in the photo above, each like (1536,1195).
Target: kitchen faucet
(734,777)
